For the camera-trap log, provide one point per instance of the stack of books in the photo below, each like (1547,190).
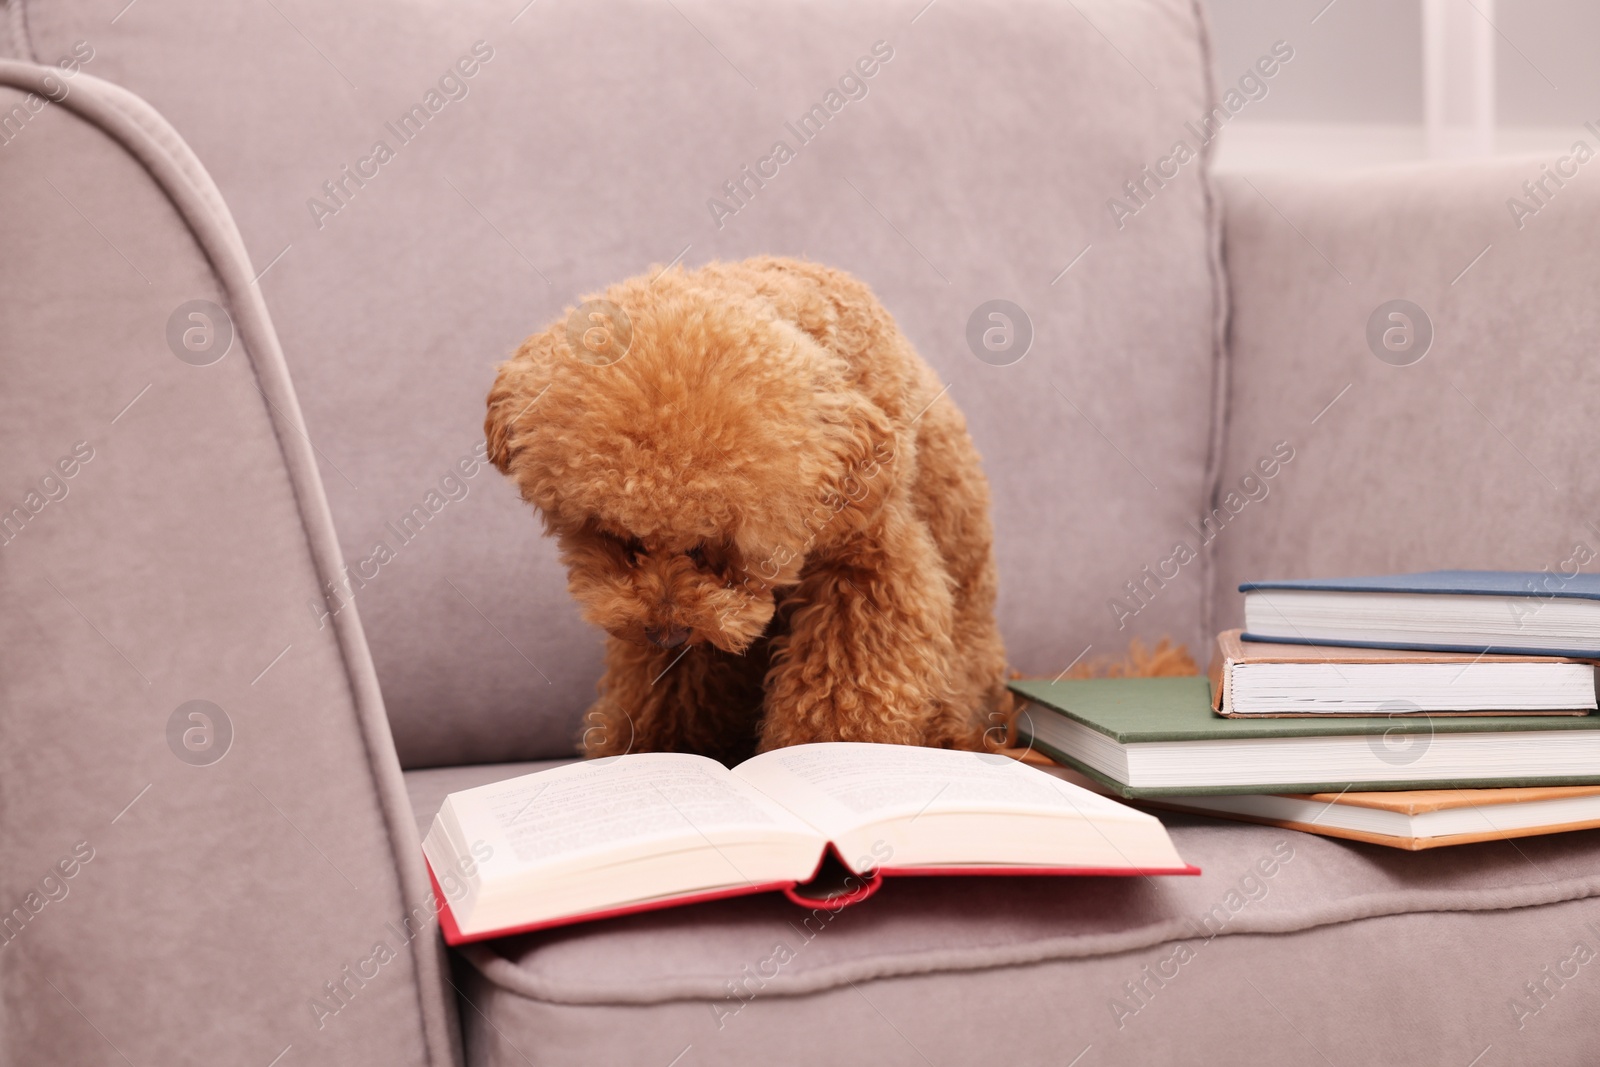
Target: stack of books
(1407,710)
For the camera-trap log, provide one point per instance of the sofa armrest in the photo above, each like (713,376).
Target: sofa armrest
(1453,430)
(205,838)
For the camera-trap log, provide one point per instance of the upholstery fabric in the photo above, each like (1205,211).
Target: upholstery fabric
(978,165)
(1286,947)
(1308,997)
(171,895)
(1478,454)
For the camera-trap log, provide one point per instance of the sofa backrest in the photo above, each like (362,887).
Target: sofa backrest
(422,187)
(1421,348)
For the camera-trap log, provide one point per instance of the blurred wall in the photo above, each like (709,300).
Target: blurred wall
(1353,94)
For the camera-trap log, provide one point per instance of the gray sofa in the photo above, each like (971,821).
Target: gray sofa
(245,352)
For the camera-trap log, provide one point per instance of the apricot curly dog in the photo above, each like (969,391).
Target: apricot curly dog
(763,495)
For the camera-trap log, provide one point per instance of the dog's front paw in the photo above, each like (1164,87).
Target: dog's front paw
(839,717)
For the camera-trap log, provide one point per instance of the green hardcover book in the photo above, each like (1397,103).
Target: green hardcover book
(1155,737)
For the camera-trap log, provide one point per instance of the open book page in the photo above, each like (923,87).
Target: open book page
(570,825)
(896,806)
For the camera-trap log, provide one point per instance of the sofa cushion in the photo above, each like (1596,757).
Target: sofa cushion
(1033,970)
(1436,987)
(579,143)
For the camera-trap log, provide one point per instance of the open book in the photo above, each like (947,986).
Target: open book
(823,823)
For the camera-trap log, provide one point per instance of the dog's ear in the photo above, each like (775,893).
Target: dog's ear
(866,461)
(506,405)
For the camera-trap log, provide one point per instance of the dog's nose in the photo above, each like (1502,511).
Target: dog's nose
(667,638)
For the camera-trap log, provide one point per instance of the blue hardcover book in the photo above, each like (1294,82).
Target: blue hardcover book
(1528,612)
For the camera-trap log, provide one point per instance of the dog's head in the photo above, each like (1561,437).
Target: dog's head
(689,452)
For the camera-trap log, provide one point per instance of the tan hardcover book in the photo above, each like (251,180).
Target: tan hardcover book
(1257,679)
(1414,819)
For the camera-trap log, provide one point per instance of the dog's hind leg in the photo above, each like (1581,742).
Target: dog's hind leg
(952,496)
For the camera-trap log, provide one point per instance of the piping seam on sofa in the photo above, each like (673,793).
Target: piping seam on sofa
(506,974)
(1217,428)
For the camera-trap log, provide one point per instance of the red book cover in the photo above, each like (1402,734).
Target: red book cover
(795,891)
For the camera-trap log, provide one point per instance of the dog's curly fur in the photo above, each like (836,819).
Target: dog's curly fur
(771,477)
